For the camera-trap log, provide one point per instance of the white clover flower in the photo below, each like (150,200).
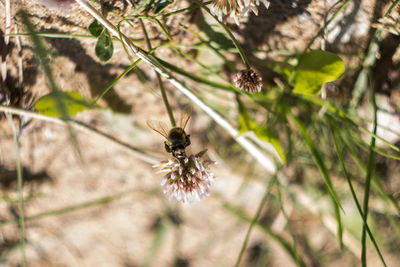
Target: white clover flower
(188,179)
(236,9)
(248,80)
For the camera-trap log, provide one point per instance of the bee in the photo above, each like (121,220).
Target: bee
(177,139)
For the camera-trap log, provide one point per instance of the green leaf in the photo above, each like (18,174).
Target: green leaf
(245,122)
(314,69)
(264,133)
(104,47)
(268,135)
(95,28)
(73,102)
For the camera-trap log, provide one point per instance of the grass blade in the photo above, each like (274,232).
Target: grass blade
(338,148)
(99,201)
(368,177)
(42,55)
(324,172)
(265,229)
(21,217)
(255,218)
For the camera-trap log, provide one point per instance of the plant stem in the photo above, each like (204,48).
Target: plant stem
(160,82)
(370,168)
(341,8)
(21,217)
(353,193)
(235,42)
(137,152)
(255,218)
(100,96)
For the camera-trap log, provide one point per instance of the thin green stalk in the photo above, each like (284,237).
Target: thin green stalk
(368,61)
(349,144)
(71,208)
(21,215)
(341,114)
(157,242)
(327,23)
(198,78)
(368,180)
(324,172)
(135,151)
(338,148)
(207,43)
(160,82)
(316,158)
(395,3)
(185,9)
(235,42)
(265,229)
(41,54)
(255,218)
(288,223)
(52,35)
(116,80)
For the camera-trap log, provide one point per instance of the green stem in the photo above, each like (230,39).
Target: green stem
(67,209)
(116,80)
(235,42)
(338,148)
(21,217)
(162,88)
(255,218)
(368,180)
(328,22)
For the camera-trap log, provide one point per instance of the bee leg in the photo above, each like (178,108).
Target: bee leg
(187,140)
(167,148)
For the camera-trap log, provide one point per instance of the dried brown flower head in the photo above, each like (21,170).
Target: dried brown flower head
(248,80)
(188,179)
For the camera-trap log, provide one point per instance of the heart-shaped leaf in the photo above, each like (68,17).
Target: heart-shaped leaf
(104,46)
(95,28)
(268,135)
(314,69)
(72,103)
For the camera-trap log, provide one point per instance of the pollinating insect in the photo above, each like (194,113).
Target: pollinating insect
(177,139)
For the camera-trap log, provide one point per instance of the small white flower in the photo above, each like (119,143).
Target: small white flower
(236,9)
(187,180)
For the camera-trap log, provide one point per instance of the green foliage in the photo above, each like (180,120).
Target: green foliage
(73,101)
(95,28)
(269,135)
(104,47)
(160,5)
(314,69)
(263,132)
(157,6)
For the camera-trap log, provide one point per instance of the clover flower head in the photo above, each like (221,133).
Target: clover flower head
(248,80)
(236,9)
(187,180)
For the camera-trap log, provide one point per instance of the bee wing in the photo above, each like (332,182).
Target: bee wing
(185,116)
(158,126)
